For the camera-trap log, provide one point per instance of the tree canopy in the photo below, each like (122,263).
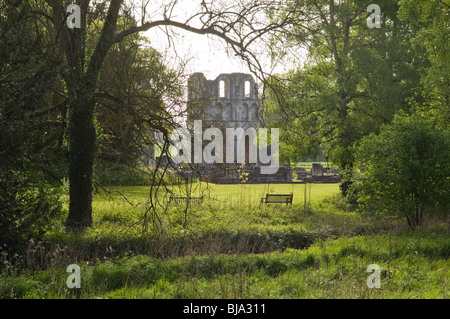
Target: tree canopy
(354,80)
(405,169)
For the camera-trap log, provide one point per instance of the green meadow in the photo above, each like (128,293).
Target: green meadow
(230,193)
(232,246)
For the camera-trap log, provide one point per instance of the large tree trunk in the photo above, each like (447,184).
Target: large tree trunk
(346,178)
(82,133)
(82,151)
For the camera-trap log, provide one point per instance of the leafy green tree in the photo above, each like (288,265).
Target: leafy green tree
(428,20)
(353,81)
(137,94)
(405,169)
(30,127)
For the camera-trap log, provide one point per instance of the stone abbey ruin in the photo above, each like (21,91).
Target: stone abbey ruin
(231,101)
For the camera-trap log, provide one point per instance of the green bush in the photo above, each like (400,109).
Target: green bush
(405,169)
(28,207)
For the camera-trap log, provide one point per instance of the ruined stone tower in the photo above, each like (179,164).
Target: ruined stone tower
(231,100)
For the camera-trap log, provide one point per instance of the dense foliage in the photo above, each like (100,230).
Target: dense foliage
(31,122)
(356,79)
(135,93)
(405,169)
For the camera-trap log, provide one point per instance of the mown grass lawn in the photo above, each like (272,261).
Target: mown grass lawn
(233,194)
(233,212)
(226,208)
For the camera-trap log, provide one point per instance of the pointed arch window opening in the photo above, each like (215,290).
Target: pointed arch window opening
(222,88)
(247,89)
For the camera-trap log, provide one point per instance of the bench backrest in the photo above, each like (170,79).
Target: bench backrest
(183,200)
(279,198)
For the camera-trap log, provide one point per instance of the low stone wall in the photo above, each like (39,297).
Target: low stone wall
(252,175)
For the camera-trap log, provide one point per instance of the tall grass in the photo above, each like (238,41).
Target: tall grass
(231,220)
(413,265)
(231,246)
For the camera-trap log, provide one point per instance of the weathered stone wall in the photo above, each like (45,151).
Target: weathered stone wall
(230,100)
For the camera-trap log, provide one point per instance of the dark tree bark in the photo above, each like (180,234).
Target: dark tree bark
(82,133)
(82,150)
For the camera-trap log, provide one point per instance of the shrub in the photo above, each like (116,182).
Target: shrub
(405,169)
(28,207)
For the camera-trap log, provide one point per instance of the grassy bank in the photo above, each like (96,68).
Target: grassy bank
(221,225)
(233,247)
(413,265)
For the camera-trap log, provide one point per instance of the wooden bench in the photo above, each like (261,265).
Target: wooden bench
(182,200)
(277,199)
